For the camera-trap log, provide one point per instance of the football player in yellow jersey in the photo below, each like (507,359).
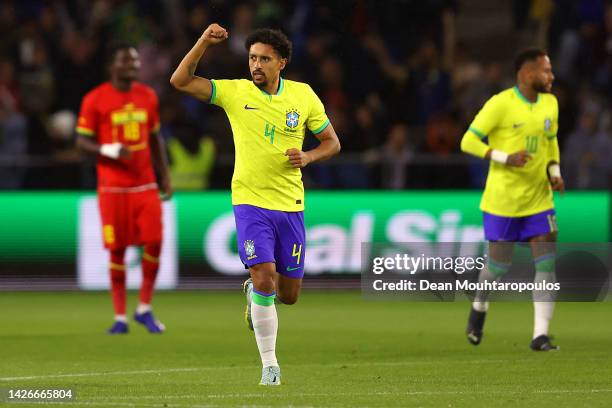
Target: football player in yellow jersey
(269,116)
(521,126)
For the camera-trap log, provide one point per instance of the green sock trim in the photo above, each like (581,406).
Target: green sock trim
(498,268)
(545,265)
(262,300)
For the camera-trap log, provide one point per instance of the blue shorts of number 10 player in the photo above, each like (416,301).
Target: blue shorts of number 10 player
(518,229)
(271,236)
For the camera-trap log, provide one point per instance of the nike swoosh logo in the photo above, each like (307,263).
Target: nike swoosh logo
(289,269)
(247,107)
(517,125)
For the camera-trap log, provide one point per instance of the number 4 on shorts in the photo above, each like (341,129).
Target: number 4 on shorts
(297,252)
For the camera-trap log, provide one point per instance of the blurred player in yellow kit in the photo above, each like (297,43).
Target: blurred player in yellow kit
(520,124)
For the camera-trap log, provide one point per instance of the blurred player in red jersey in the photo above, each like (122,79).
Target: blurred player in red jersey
(119,122)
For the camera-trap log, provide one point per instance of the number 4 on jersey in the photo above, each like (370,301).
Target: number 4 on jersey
(269,132)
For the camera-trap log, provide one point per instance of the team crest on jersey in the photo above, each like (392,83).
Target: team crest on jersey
(293,118)
(547,124)
(249,249)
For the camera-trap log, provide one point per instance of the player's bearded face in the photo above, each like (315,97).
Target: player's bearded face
(544,76)
(264,64)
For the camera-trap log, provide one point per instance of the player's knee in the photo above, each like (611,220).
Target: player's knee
(263,278)
(117,255)
(288,296)
(287,299)
(550,237)
(292,300)
(264,286)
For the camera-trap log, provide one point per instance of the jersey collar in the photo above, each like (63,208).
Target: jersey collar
(517,91)
(281,86)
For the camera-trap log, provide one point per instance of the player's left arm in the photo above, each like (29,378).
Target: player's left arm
(158,149)
(329,146)
(553,168)
(319,124)
(160,161)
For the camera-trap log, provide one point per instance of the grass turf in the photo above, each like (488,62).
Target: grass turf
(334,348)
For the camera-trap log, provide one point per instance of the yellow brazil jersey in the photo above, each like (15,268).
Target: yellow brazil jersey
(512,123)
(265,126)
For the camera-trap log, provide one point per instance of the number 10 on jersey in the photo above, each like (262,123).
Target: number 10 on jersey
(532,144)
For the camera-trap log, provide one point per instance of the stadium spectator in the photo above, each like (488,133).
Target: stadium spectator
(191,158)
(408,57)
(588,152)
(13,136)
(394,157)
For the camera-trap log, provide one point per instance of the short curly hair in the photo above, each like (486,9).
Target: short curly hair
(527,55)
(275,38)
(113,49)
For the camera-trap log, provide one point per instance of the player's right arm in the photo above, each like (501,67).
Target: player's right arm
(87,129)
(184,78)
(485,122)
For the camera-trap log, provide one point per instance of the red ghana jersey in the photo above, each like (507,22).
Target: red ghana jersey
(110,115)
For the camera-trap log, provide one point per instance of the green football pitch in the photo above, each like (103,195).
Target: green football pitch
(335,349)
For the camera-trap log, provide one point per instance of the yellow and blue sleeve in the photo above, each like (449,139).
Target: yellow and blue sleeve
(472,144)
(223,91)
(488,118)
(317,119)
(553,144)
(485,121)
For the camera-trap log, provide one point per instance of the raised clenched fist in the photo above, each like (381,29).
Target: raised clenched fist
(214,34)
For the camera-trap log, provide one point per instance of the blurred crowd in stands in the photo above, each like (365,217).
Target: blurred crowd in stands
(398,84)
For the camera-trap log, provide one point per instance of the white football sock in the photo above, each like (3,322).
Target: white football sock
(480,306)
(265,324)
(543,305)
(543,313)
